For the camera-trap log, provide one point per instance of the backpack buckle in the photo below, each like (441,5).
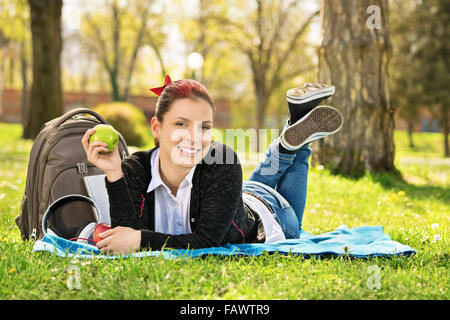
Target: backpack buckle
(82,167)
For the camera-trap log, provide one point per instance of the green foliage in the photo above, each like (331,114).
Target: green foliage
(420,64)
(406,91)
(250,50)
(15,42)
(224,67)
(128,119)
(14,18)
(115,32)
(432,49)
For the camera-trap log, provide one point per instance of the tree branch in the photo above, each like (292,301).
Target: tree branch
(295,38)
(137,46)
(116,35)
(155,48)
(282,19)
(102,51)
(292,44)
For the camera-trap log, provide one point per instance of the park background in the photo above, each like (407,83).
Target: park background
(389,165)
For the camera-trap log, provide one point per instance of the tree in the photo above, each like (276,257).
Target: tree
(14,43)
(420,65)
(222,69)
(406,90)
(46,92)
(116,38)
(354,56)
(271,35)
(225,70)
(432,52)
(4,44)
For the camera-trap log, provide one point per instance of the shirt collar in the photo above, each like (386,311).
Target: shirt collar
(156,180)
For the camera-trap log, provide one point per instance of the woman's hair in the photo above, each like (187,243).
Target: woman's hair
(185,88)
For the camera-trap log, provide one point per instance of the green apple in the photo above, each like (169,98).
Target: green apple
(106,134)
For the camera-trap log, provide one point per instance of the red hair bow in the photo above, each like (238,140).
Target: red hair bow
(159,90)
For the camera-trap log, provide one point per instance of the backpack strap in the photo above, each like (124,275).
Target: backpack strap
(74,112)
(71,113)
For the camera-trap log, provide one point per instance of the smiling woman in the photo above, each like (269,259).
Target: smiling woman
(188,191)
(182,127)
(166,192)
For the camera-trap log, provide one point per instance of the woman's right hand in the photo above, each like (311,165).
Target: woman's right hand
(109,163)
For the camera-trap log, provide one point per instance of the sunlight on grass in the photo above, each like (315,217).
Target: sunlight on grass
(427,144)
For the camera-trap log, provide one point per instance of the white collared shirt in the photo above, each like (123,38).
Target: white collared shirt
(171,213)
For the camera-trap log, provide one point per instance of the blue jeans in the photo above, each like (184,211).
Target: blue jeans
(281,181)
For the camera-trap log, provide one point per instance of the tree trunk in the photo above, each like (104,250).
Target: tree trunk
(115,90)
(46,91)
(23,71)
(354,57)
(2,76)
(262,100)
(4,41)
(445,125)
(114,73)
(410,133)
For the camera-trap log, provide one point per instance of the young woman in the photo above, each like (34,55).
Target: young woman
(188,191)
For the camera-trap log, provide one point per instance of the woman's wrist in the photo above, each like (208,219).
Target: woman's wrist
(114,175)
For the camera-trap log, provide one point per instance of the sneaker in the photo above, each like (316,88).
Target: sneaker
(309,92)
(322,121)
(302,100)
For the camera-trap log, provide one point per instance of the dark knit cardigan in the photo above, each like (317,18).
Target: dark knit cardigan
(217,212)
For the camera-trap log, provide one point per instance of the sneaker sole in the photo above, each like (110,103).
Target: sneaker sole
(320,122)
(322,93)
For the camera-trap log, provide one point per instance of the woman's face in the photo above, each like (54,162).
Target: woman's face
(185,132)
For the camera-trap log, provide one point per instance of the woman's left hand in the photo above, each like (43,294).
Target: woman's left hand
(120,240)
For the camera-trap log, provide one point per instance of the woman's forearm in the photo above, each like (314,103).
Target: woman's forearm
(122,209)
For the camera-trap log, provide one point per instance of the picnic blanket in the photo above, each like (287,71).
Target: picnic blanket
(360,242)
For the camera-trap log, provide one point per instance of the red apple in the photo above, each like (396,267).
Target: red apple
(100,228)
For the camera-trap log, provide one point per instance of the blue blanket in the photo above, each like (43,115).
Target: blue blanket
(361,242)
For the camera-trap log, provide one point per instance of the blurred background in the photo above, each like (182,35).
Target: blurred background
(389,61)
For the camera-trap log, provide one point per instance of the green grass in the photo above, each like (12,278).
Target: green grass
(414,212)
(426,144)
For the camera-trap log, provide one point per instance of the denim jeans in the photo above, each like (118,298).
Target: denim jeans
(281,181)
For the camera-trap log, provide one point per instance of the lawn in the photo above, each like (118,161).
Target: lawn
(413,211)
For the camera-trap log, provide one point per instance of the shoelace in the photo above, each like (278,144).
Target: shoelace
(316,85)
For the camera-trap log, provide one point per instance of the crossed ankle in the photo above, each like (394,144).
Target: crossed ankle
(282,149)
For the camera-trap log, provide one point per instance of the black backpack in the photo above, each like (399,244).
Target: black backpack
(56,168)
